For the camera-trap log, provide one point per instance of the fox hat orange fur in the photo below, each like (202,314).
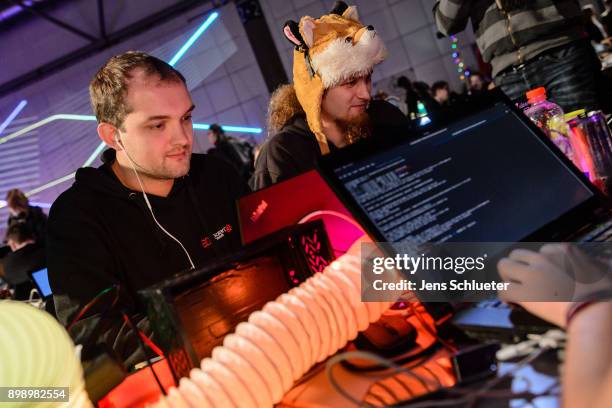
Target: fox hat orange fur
(329,51)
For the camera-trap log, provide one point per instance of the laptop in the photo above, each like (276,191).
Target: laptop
(288,202)
(40,279)
(498,178)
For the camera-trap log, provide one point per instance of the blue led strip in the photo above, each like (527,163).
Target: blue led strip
(193,38)
(91,118)
(237,129)
(13,115)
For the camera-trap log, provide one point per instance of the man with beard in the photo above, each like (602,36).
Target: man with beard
(153,209)
(329,105)
(530,43)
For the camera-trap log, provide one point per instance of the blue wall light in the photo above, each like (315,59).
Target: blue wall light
(13,115)
(193,38)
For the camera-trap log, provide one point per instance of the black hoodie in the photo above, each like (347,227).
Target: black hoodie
(101,234)
(294,149)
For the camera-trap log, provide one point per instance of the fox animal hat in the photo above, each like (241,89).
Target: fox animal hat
(329,51)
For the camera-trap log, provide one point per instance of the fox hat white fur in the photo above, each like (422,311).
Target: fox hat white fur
(330,51)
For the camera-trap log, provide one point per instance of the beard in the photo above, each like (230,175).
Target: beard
(355,128)
(166,170)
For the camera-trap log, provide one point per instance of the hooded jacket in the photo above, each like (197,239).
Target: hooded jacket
(101,235)
(294,149)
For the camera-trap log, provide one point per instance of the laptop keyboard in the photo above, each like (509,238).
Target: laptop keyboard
(492,304)
(601,233)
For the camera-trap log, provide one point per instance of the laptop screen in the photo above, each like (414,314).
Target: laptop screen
(488,177)
(41,279)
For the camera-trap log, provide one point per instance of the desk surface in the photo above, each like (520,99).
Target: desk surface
(379,389)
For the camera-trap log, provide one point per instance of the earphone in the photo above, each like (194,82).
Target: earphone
(146,198)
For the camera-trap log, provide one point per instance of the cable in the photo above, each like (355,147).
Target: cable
(92,302)
(368,356)
(343,217)
(146,198)
(421,356)
(430,330)
(470,395)
(146,339)
(138,334)
(473,395)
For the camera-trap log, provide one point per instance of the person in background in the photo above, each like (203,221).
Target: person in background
(27,256)
(20,211)
(477,84)
(329,105)
(530,43)
(238,153)
(412,99)
(441,93)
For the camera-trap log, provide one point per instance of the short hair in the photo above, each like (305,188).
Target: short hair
(20,232)
(439,85)
(109,87)
(15,198)
(216,128)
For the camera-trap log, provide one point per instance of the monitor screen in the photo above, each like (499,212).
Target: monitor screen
(488,177)
(41,278)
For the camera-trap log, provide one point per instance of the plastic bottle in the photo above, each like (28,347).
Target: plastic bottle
(548,116)
(580,145)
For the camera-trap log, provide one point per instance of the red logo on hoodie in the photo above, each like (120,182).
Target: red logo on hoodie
(206,242)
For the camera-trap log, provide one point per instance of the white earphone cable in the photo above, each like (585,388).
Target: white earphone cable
(146,198)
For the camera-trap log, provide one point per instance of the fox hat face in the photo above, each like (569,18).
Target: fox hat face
(330,51)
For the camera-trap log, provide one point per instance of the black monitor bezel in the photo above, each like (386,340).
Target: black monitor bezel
(559,229)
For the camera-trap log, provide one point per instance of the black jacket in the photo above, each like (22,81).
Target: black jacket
(228,149)
(101,234)
(35,219)
(17,264)
(294,149)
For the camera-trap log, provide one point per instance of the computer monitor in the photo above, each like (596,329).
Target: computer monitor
(491,176)
(40,278)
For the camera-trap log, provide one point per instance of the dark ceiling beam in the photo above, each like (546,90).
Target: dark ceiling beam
(112,39)
(55,21)
(101,19)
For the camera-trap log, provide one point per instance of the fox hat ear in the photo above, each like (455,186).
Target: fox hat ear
(292,33)
(307,26)
(351,14)
(343,10)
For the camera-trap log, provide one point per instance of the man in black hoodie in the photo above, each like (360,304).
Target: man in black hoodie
(150,211)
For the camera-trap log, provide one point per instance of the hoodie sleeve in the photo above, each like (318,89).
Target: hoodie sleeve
(452,15)
(81,267)
(283,156)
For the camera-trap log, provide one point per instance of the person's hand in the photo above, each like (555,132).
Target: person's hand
(607,42)
(523,276)
(546,282)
